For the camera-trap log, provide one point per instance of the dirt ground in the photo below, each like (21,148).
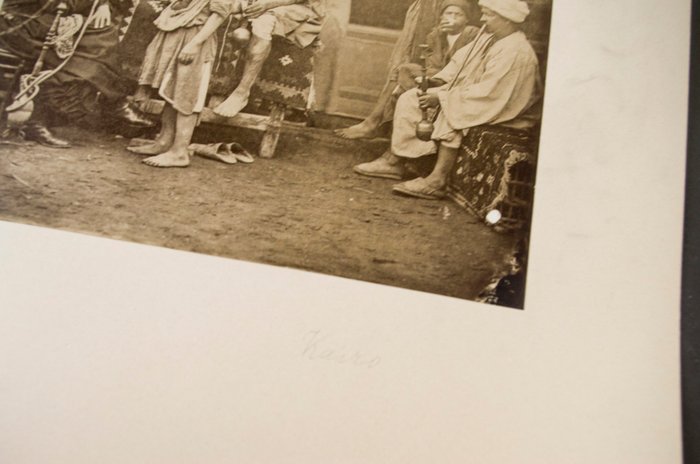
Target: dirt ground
(303,209)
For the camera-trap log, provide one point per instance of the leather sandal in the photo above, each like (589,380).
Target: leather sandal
(380,168)
(419,188)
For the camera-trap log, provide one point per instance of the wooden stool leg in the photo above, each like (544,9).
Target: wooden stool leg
(272,133)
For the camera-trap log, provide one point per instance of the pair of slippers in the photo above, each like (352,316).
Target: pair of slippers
(229,153)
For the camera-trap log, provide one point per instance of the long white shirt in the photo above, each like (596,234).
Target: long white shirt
(499,84)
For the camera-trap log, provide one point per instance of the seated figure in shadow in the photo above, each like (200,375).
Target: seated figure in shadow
(420,19)
(91,74)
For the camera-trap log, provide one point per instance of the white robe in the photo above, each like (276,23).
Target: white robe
(498,84)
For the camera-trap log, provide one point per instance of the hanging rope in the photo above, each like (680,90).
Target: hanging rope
(68,27)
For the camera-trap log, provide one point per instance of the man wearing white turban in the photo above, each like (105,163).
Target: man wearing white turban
(493,80)
(513,10)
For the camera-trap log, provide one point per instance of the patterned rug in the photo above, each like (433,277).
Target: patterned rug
(495,170)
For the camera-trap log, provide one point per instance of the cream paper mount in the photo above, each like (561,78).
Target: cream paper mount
(116,352)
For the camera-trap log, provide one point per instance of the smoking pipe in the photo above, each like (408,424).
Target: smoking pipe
(424,128)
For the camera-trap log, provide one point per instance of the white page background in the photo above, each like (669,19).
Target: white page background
(113,352)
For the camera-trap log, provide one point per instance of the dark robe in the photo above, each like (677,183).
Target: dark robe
(93,68)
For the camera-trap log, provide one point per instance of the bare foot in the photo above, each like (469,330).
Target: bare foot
(363,130)
(139,142)
(232,105)
(154,148)
(169,159)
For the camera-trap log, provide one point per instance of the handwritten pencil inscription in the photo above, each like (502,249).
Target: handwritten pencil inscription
(318,346)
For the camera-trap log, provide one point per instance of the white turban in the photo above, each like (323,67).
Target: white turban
(513,10)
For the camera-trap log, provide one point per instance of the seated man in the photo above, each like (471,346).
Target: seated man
(297,20)
(494,80)
(95,61)
(451,34)
(420,19)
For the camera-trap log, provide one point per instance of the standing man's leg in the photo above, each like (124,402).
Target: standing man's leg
(165,138)
(177,155)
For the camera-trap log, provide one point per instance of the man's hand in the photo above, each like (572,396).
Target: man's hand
(102,17)
(428,100)
(432,82)
(188,53)
(260,7)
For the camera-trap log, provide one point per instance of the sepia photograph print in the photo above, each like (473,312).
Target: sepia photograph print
(343,231)
(392,142)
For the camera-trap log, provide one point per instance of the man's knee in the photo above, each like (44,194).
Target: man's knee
(409,97)
(452,140)
(407,74)
(407,100)
(264,25)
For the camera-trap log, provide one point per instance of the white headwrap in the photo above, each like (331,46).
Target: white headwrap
(513,10)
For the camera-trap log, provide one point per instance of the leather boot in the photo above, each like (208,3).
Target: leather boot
(126,113)
(39,133)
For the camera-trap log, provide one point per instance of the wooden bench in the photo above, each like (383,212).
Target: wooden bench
(271,125)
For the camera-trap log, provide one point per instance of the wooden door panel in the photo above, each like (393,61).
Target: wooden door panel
(362,68)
